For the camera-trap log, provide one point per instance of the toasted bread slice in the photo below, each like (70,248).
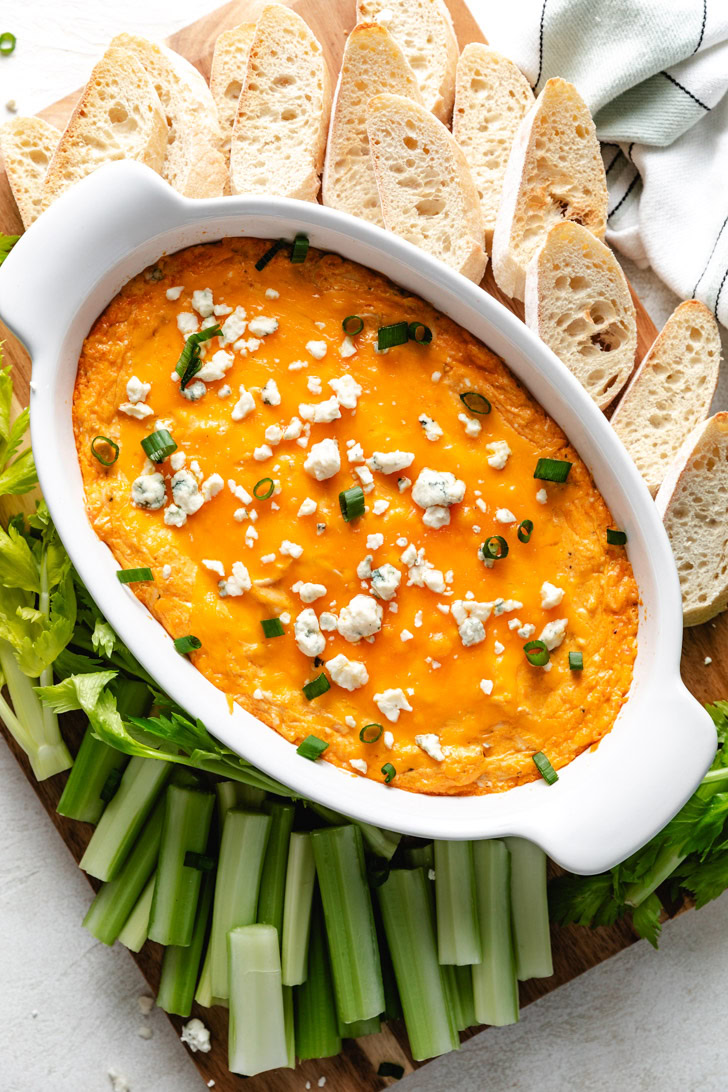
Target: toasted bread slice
(578,302)
(491,98)
(555,172)
(118,116)
(279,137)
(27,146)
(194,164)
(372,64)
(426,190)
(227,76)
(693,504)
(424,32)
(671,391)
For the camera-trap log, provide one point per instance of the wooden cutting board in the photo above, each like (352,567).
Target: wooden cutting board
(575,950)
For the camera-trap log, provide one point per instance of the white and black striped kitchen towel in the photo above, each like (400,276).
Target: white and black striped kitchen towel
(654,74)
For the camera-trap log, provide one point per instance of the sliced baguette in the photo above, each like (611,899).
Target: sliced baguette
(118,116)
(227,76)
(578,302)
(372,64)
(279,136)
(693,504)
(426,190)
(27,146)
(491,98)
(671,391)
(555,172)
(424,32)
(194,164)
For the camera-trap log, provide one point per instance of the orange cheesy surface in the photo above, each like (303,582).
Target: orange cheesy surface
(397,609)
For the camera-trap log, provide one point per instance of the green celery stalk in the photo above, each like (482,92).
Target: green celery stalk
(273,880)
(187,818)
(289,1021)
(420,856)
(495,986)
(234,794)
(360,1028)
(300,883)
(257,1030)
(317,1025)
(530,910)
(33,727)
(203,993)
(382,843)
(665,864)
(181,965)
(458,932)
(466,1002)
(341,872)
(406,905)
(136,926)
(124,816)
(242,850)
(392,1004)
(116,899)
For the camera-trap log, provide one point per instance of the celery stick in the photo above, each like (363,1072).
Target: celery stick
(257,1030)
(406,906)
(317,1026)
(116,899)
(33,727)
(203,993)
(339,856)
(234,794)
(187,818)
(381,842)
(181,965)
(273,880)
(458,932)
(93,780)
(466,1002)
(420,857)
(360,1028)
(289,1020)
(495,987)
(392,1004)
(239,869)
(136,926)
(123,817)
(530,910)
(300,883)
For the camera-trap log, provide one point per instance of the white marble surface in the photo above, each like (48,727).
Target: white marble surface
(68,1005)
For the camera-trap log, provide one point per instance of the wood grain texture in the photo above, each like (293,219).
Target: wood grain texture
(575,950)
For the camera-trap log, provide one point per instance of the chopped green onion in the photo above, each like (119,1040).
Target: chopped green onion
(544,767)
(494,548)
(299,250)
(264,489)
(389,772)
(390,1069)
(316,687)
(190,361)
(312,747)
(353,325)
(396,334)
(351,502)
(475,402)
(370,733)
(576,661)
(537,653)
(420,333)
(616,538)
(7,43)
(104,441)
(552,470)
(184,645)
(158,445)
(134,576)
(525,530)
(262,262)
(272,627)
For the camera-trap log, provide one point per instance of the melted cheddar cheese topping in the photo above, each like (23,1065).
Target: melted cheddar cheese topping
(397,609)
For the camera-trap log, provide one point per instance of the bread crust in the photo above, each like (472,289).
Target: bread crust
(27,146)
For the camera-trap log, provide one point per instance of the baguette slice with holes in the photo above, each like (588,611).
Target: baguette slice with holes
(27,146)
(279,137)
(194,164)
(227,76)
(426,190)
(671,391)
(578,302)
(424,32)
(693,504)
(118,116)
(555,172)
(372,64)
(491,98)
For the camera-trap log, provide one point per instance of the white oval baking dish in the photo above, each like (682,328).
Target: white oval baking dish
(609,801)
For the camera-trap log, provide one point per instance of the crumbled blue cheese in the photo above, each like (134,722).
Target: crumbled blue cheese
(317,349)
(430,744)
(375,541)
(175,293)
(366,478)
(193,392)
(273,435)
(320,412)
(364,568)
(214,566)
(349,674)
(498,648)
(308,635)
(293,429)
(355,453)
(268,559)
(432,429)
(389,462)
(504,515)
(271,294)
(212,486)
(551,596)
(239,492)
(313,384)
(270,394)
(297,365)
(347,391)
(202,301)
(186,492)
(436,517)
(480,503)
(214,368)
(436,377)
(137,410)
(236,584)
(391,703)
(187,323)
(262,325)
(290,549)
(323,460)
(166,571)
(385,580)
(225,391)
(177,460)
(472,632)
(553,633)
(359,765)
(174,516)
(308,592)
(347,347)
(196,1036)
(221,309)
(437,488)
(260,454)
(149,491)
(505,606)
(308,507)
(486,685)
(499,454)
(526,631)
(472,426)
(234,326)
(388,740)
(542,496)
(136,391)
(380,507)
(362,617)
(406,635)
(251,536)
(328,621)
